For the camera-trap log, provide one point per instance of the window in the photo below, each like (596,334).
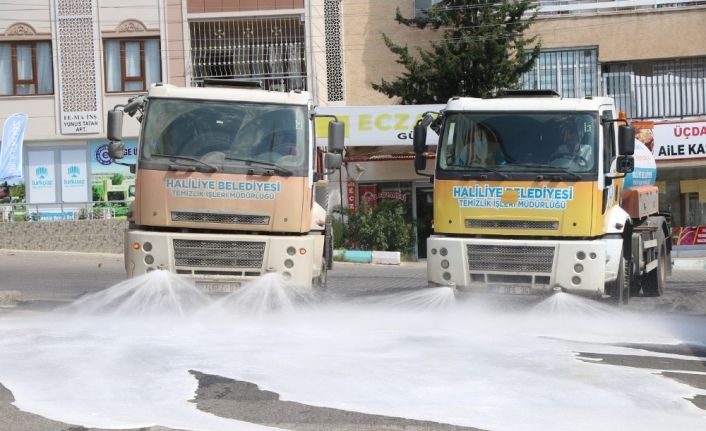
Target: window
(570,72)
(132,64)
(420,7)
(658,89)
(609,148)
(271,50)
(25,68)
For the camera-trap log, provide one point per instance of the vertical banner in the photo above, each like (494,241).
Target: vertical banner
(74,176)
(13,133)
(41,181)
(350,189)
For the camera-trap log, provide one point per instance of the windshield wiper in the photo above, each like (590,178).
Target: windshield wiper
(275,168)
(487,169)
(556,168)
(177,165)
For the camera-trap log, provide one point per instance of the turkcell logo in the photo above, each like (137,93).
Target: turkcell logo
(73,179)
(41,172)
(42,182)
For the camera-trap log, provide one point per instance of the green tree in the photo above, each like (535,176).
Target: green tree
(483,49)
(18,191)
(117,179)
(383,228)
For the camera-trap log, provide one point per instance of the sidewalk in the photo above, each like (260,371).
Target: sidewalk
(691,258)
(689,263)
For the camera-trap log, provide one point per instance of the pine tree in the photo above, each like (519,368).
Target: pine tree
(483,49)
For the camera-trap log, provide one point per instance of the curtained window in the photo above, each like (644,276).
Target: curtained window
(26,68)
(131,64)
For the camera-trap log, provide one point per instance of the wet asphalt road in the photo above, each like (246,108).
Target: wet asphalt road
(38,281)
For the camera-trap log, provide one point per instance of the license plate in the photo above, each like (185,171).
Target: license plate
(218,287)
(513,290)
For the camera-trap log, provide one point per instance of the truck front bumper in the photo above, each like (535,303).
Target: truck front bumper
(523,266)
(214,260)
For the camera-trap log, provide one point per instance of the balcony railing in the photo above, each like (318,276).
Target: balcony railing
(562,7)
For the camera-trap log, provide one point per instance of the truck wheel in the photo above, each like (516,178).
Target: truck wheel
(320,281)
(619,290)
(655,280)
(328,244)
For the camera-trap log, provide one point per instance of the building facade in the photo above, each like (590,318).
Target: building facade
(66,63)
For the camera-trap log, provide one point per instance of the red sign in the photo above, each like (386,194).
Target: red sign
(700,236)
(369,194)
(689,235)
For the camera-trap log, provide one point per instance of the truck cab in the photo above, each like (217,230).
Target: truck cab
(226,185)
(527,195)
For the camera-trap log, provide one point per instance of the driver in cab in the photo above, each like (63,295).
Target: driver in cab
(572,153)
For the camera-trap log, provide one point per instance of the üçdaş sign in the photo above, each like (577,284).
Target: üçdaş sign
(683,140)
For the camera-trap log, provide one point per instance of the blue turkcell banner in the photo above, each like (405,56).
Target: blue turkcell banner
(13,133)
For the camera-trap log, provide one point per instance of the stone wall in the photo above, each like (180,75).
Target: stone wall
(93,236)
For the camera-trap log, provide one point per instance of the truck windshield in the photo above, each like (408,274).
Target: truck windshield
(516,142)
(225,135)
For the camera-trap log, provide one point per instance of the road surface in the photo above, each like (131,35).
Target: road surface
(35,283)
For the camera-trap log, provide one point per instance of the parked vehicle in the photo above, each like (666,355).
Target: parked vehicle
(229,184)
(537,193)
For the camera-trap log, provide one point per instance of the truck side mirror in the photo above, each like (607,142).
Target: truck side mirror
(116,150)
(420,162)
(626,140)
(115,125)
(332,161)
(625,164)
(336,133)
(420,139)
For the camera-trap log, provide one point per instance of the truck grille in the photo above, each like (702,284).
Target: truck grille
(208,217)
(510,259)
(218,254)
(472,223)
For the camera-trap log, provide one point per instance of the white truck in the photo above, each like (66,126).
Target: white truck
(537,193)
(229,184)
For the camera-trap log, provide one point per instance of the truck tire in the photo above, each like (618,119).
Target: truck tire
(320,281)
(619,290)
(654,281)
(328,243)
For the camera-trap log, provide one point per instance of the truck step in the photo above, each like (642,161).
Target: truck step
(650,244)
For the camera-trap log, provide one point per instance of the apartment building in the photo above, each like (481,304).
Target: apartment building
(649,55)
(65,63)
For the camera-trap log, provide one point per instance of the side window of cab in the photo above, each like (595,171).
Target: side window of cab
(609,149)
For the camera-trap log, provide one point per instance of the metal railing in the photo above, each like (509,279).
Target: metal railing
(562,7)
(20,211)
(271,50)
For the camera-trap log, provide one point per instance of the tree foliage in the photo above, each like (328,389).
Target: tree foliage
(383,228)
(483,49)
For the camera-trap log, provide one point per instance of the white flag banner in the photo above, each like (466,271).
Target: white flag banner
(13,133)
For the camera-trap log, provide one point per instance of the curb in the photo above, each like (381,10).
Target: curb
(10,298)
(363,256)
